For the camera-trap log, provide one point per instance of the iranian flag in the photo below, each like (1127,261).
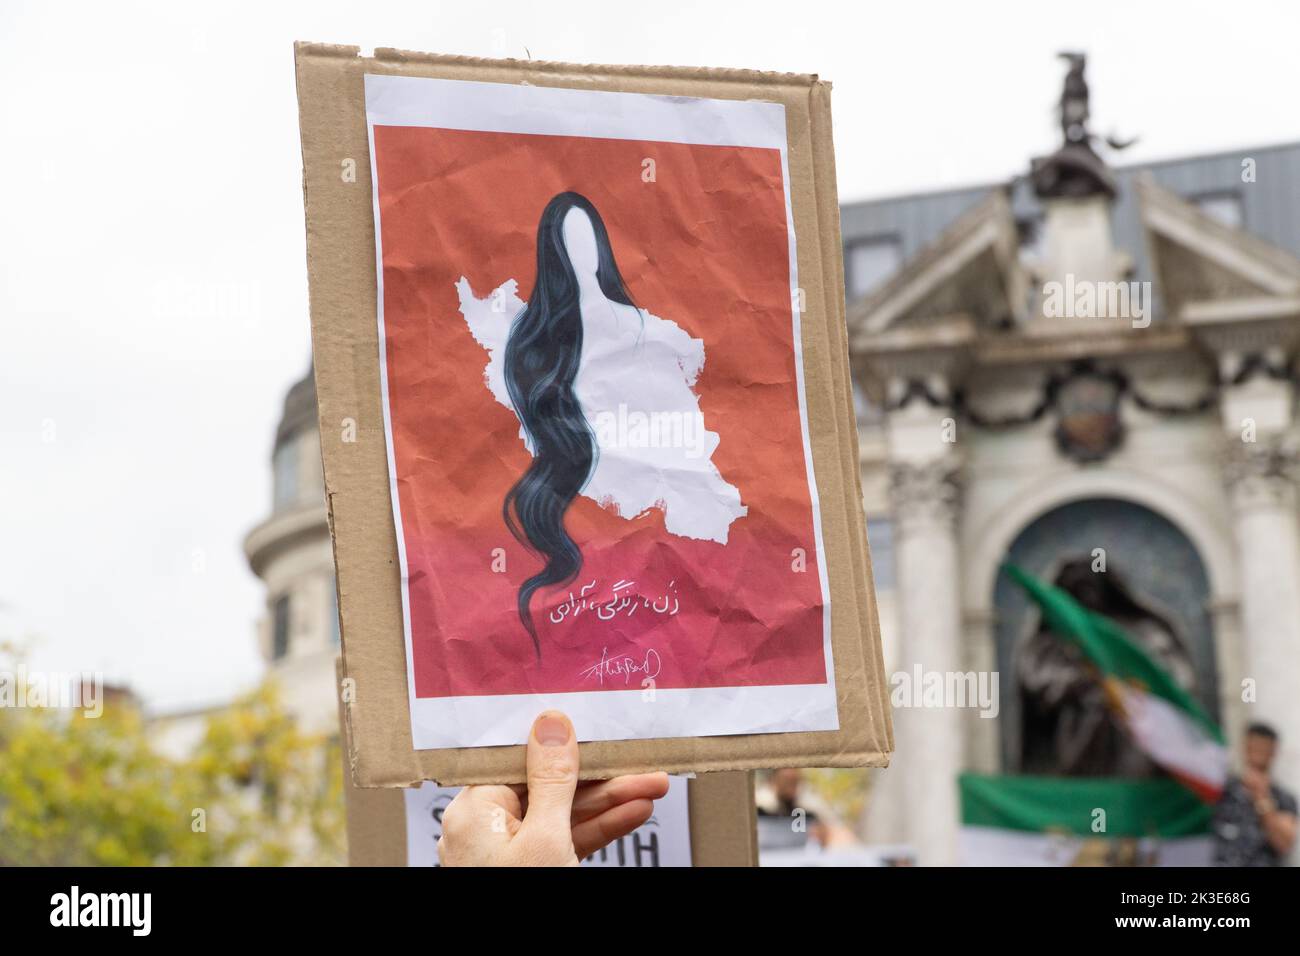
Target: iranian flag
(1081,821)
(1163,719)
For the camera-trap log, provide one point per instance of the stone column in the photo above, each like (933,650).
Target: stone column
(929,740)
(1261,479)
(983,753)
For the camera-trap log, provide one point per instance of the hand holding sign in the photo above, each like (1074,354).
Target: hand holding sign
(553,821)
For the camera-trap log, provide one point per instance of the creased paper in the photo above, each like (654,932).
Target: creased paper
(588,314)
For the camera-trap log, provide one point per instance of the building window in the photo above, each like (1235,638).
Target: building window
(284,466)
(280,627)
(880,538)
(870,262)
(1224,207)
(1031,234)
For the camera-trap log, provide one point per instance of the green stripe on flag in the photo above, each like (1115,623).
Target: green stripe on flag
(1134,808)
(1107,646)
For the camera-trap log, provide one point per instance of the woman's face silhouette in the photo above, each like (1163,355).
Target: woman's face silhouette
(580,241)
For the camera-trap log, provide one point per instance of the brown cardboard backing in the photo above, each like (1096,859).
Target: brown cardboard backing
(721,807)
(341,275)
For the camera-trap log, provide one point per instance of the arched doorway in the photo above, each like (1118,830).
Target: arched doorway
(1158,564)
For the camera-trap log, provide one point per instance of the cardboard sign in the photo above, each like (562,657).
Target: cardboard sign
(585,413)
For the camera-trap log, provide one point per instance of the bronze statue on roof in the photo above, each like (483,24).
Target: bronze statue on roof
(1075,171)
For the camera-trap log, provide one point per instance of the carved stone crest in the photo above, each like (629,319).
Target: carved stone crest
(1089,427)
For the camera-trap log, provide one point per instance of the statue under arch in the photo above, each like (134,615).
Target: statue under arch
(1150,579)
(1068,727)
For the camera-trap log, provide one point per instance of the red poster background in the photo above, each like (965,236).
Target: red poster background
(704,245)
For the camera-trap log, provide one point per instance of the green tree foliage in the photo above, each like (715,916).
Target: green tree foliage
(77,790)
(275,794)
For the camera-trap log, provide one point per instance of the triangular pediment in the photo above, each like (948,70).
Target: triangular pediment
(969,273)
(1200,263)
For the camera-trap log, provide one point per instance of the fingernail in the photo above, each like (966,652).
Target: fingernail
(551,731)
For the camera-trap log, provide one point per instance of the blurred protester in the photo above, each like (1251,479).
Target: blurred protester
(786,803)
(1255,821)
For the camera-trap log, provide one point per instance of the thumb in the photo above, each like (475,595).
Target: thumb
(552,776)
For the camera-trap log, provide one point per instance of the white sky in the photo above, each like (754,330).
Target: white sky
(152,283)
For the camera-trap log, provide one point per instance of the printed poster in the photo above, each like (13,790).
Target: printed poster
(595,417)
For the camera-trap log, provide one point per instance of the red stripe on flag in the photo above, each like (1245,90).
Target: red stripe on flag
(1206,791)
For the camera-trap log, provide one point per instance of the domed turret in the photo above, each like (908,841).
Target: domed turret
(290,551)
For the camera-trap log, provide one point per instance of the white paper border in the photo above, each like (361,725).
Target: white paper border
(497,720)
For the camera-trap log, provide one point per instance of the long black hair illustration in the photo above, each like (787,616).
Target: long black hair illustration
(542,357)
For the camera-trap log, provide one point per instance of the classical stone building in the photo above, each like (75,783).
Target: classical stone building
(1084,364)
(290,551)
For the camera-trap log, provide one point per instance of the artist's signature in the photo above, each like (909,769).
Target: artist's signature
(624,667)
